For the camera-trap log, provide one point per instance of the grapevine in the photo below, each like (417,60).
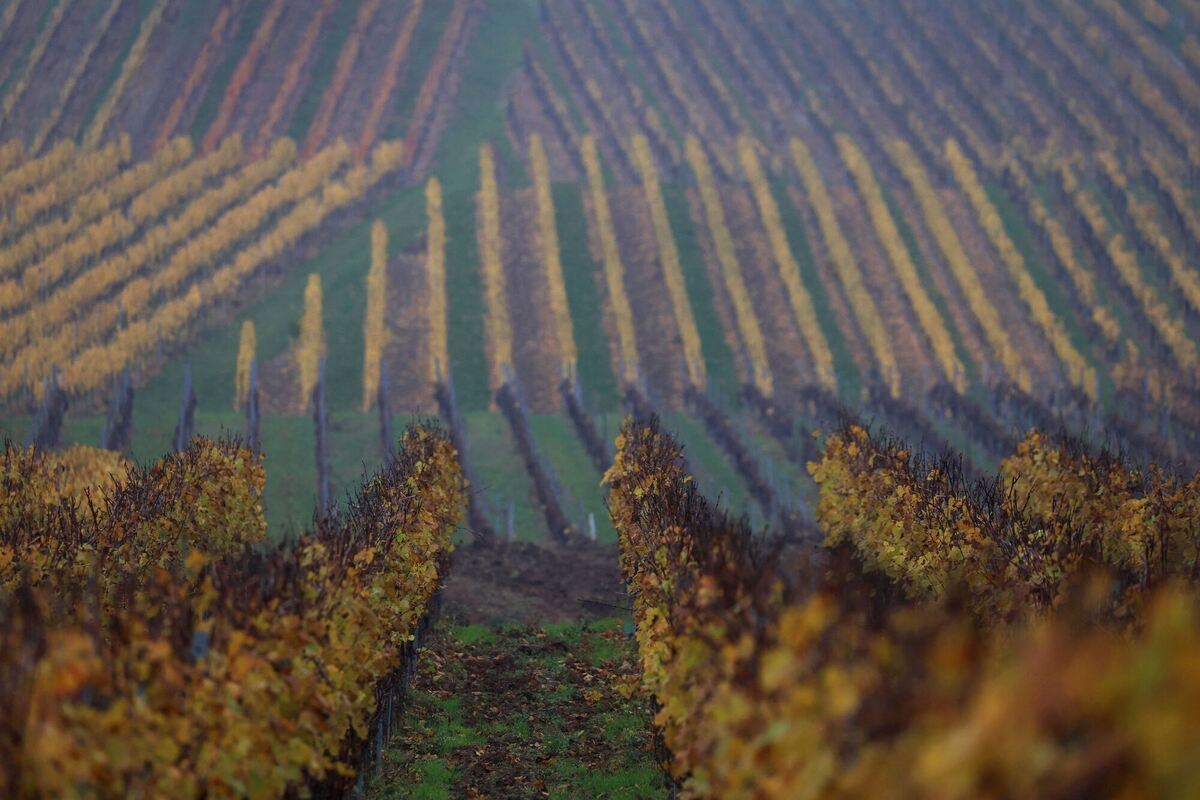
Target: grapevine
(1079,372)
(731,271)
(391,75)
(943,231)
(306,637)
(310,346)
(341,76)
(374,320)
(246,355)
(292,76)
(495,293)
(199,67)
(68,85)
(133,60)
(668,257)
(885,227)
(435,270)
(45,34)
(785,261)
(241,76)
(866,313)
(614,271)
(551,258)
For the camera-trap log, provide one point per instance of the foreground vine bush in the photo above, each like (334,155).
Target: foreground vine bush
(221,671)
(84,516)
(815,676)
(1016,543)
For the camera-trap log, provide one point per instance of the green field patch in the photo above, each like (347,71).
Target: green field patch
(625,784)
(1018,231)
(939,301)
(718,359)
(577,477)
(594,363)
(849,378)
(480,105)
(195,18)
(473,634)
(714,474)
(524,712)
(464,304)
(500,476)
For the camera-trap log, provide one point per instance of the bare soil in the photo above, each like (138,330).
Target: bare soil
(908,340)
(523,583)
(535,347)
(1026,338)
(527,115)
(827,274)
(659,343)
(407,351)
(789,355)
(712,270)
(525,713)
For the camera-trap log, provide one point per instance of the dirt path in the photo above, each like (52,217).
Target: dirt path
(524,712)
(521,691)
(522,583)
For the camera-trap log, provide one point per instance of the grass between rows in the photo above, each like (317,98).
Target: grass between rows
(524,712)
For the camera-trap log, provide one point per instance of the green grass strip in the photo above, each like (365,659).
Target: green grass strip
(577,476)
(501,476)
(848,376)
(596,376)
(718,358)
(939,301)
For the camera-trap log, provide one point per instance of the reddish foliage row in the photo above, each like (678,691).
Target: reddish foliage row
(167,127)
(241,76)
(422,112)
(391,75)
(341,76)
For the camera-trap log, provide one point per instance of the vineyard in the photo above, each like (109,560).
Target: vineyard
(908,288)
